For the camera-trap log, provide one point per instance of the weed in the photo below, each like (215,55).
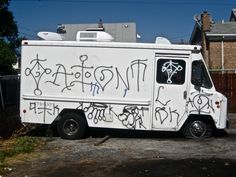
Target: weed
(2,168)
(17,145)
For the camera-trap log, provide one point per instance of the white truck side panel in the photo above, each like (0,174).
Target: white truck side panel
(109,84)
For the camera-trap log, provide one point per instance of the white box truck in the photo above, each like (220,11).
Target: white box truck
(138,86)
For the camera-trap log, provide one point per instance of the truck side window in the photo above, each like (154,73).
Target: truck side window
(170,71)
(200,76)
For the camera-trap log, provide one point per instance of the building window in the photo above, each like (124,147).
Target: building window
(170,71)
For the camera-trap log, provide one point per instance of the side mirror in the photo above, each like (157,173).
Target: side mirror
(197,84)
(198,88)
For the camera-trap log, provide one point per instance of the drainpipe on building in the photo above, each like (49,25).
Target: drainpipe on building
(222,55)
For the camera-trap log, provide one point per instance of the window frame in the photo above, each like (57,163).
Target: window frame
(203,80)
(162,75)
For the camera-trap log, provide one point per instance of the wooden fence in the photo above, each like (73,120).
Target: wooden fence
(225,83)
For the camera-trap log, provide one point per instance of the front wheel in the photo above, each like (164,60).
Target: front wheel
(71,126)
(197,129)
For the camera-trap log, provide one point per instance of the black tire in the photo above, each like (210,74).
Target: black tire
(71,126)
(197,128)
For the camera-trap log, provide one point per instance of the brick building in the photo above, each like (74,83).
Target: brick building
(218,41)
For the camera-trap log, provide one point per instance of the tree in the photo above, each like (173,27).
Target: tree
(6,54)
(9,41)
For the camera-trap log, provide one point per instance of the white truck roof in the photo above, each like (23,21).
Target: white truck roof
(110,44)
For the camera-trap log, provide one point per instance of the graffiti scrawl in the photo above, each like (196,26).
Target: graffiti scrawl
(94,79)
(61,74)
(200,103)
(164,112)
(36,72)
(96,112)
(44,108)
(171,68)
(83,73)
(131,117)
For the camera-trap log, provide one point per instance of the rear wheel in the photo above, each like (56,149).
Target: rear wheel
(71,126)
(198,129)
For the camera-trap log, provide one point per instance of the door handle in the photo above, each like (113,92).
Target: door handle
(185,94)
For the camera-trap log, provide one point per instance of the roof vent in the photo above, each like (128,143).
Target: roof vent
(98,36)
(49,36)
(94,29)
(162,40)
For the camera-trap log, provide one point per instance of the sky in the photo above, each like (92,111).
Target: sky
(172,19)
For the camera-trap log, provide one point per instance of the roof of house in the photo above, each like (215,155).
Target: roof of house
(219,30)
(223,29)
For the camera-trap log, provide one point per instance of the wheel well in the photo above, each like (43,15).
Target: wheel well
(76,111)
(72,124)
(206,118)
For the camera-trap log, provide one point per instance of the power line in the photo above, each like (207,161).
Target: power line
(26,29)
(131,2)
(21,33)
(29,35)
(180,37)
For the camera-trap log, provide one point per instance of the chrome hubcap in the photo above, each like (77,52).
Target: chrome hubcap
(71,127)
(198,129)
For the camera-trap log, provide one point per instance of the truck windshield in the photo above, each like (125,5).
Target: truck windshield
(200,76)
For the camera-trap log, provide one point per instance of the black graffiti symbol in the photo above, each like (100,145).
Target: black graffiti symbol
(139,63)
(103,75)
(172,113)
(96,112)
(201,103)
(164,111)
(37,71)
(44,108)
(84,72)
(61,71)
(33,107)
(131,117)
(161,113)
(81,106)
(158,95)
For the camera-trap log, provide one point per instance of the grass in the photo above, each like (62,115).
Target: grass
(17,145)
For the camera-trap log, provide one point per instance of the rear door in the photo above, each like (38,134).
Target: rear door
(170,89)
